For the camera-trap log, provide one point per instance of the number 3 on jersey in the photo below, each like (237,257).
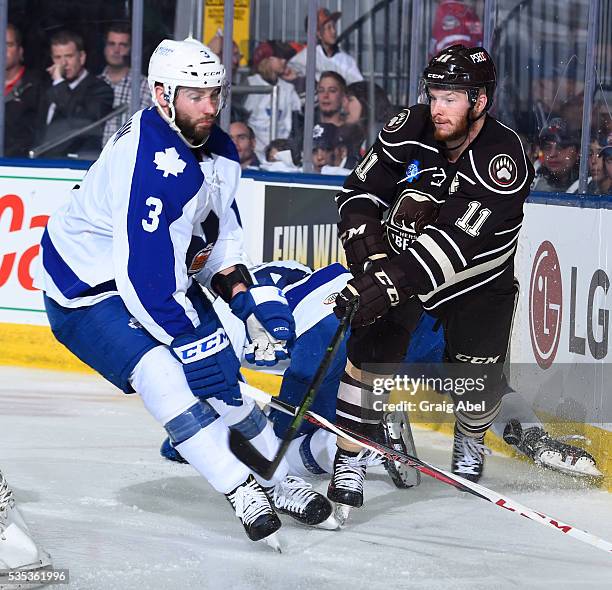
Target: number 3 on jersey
(467,223)
(150,224)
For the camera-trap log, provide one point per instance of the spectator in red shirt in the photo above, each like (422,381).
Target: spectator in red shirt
(455,22)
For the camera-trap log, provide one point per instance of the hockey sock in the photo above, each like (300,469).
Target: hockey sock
(476,424)
(253,424)
(358,407)
(208,452)
(312,454)
(515,406)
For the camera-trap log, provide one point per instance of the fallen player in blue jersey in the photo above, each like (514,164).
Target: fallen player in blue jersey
(310,297)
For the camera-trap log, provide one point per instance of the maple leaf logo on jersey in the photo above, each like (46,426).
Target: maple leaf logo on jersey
(169,162)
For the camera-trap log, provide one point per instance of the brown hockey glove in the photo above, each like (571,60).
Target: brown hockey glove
(377,291)
(363,241)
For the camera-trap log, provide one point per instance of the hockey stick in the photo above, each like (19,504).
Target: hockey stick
(242,447)
(456,481)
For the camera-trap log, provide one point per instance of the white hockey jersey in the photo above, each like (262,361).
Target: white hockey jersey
(149,213)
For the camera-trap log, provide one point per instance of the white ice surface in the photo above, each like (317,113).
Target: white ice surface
(83,461)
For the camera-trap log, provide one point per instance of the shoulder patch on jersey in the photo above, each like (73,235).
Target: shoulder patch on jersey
(397,121)
(169,162)
(503,170)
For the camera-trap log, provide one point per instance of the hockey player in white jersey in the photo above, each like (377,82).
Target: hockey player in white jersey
(19,553)
(117,262)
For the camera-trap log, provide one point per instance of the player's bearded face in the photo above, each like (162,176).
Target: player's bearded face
(196,112)
(449,112)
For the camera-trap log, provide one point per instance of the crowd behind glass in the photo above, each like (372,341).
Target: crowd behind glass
(42,105)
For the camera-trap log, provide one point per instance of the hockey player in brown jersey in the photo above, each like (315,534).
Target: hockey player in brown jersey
(430,219)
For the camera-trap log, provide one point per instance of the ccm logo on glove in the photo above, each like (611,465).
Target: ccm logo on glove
(203,348)
(392,293)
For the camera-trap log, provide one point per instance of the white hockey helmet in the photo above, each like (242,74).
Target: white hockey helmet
(186,63)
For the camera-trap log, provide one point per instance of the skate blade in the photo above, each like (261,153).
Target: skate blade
(331,523)
(581,469)
(273,542)
(341,513)
(43,564)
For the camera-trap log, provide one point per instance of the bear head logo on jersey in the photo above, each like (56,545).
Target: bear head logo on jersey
(411,212)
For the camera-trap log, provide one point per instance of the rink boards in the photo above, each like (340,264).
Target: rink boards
(560,347)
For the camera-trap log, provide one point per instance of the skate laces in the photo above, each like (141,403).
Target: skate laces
(6,500)
(472,451)
(349,472)
(365,458)
(250,502)
(293,494)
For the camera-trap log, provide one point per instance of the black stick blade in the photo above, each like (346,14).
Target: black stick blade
(244,451)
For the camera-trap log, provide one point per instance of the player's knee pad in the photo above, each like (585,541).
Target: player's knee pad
(190,421)
(253,424)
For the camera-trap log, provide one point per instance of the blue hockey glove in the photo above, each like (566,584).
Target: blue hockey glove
(210,365)
(269,324)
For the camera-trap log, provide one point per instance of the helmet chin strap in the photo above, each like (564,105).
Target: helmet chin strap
(170,97)
(171,121)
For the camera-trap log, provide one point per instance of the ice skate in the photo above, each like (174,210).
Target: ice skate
(295,497)
(346,485)
(397,434)
(468,455)
(254,510)
(549,452)
(18,551)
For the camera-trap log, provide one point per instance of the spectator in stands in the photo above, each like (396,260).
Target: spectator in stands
(343,156)
(281,156)
(216,46)
(331,92)
(357,115)
(237,110)
(22,95)
(324,137)
(600,167)
(561,154)
(117,74)
(455,22)
(329,55)
(269,62)
(606,154)
(244,138)
(74,99)
(597,171)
